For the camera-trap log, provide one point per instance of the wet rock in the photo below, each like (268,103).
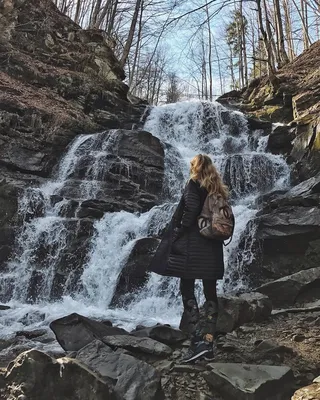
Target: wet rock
(3,307)
(300,288)
(134,379)
(280,140)
(135,273)
(235,311)
(250,382)
(34,374)
(138,345)
(161,333)
(32,318)
(311,392)
(32,334)
(129,173)
(258,124)
(76,331)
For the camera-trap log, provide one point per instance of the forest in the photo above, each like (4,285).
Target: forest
(178,49)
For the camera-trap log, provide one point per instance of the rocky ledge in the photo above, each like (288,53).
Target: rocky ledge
(265,356)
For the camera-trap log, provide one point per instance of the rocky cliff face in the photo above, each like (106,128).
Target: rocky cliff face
(56,81)
(291,97)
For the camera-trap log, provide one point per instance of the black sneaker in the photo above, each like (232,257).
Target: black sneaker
(198,351)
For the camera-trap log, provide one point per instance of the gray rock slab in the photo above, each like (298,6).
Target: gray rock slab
(134,379)
(76,331)
(138,345)
(301,287)
(36,375)
(235,311)
(250,382)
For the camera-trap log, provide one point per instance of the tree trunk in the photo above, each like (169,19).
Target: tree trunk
(233,83)
(219,66)
(306,38)
(112,17)
(210,54)
(243,48)
(288,29)
(77,15)
(266,42)
(282,54)
(128,44)
(137,46)
(105,10)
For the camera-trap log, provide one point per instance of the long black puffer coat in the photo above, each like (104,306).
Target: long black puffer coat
(183,252)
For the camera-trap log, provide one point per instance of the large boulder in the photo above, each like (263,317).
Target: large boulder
(306,148)
(36,375)
(76,331)
(294,290)
(135,273)
(126,167)
(236,311)
(134,379)
(250,382)
(288,233)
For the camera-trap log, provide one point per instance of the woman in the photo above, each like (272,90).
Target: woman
(186,254)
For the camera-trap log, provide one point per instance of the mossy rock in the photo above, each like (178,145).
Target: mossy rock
(275,113)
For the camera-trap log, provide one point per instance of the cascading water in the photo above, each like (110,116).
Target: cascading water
(51,220)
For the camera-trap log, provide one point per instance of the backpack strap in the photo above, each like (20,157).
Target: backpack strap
(227,244)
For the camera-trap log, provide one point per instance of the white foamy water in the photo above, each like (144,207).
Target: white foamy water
(185,129)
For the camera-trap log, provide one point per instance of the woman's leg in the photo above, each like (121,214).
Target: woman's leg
(210,290)
(203,337)
(187,290)
(210,309)
(190,316)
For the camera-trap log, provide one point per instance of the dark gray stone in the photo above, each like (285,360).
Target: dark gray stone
(162,333)
(138,345)
(34,374)
(135,273)
(135,379)
(32,334)
(236,311)
(297,289)
(250,382)
(280,140)
(76,331)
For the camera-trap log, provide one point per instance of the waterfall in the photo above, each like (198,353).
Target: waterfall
(33,280)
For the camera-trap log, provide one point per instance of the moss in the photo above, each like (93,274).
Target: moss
(274,113)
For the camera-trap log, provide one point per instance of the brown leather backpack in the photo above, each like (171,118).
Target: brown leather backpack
(216,220)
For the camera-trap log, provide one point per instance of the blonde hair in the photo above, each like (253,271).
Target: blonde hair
(203,170)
